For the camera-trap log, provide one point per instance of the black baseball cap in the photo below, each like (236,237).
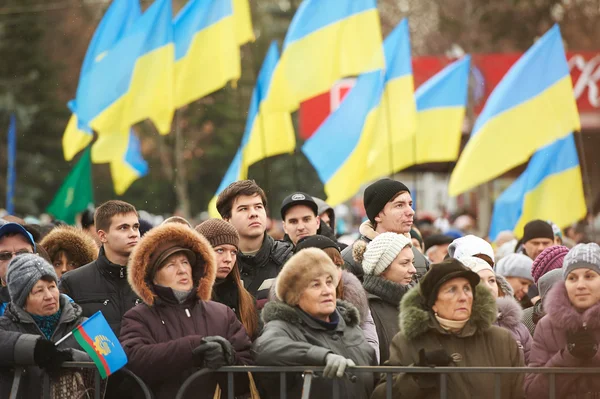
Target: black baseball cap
(298,198)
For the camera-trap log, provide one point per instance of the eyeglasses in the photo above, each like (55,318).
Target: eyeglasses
(6,256)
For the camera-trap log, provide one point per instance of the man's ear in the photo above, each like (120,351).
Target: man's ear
(102,236)
(318,220)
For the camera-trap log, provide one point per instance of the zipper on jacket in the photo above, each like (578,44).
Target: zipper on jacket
(187,312)
(121,273)
(106,302)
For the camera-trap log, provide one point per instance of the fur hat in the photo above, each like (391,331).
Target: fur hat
(441,272)
(551,258)
(79,246)
(379,254)
(470,245)
(164,238)
(299,271)
(24,271)
(219,232)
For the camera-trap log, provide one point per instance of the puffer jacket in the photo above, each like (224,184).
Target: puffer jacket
(16,349)
(159,335)
(549,348)
(510,315)
(293,338)
(479,344)
(18,320)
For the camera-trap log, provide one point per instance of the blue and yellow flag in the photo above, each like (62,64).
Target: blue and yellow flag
(531,107)
(441,106)
(243,21)
(265,135)
(207,53)
(134,79)
(118,18)
(551,188)
(130,167)
(326,41)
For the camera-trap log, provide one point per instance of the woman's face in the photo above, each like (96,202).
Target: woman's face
(226,258)
(43,300)
(175,272)
(63,264)
(402,268)
(454,300)
(583,288)
(318,299)
(488,280)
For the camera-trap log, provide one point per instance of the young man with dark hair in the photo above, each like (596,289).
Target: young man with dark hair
(299,213)
(102,284)
(243,204)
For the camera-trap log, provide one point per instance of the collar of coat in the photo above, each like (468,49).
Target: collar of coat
(109,268)
(278,251)
(416,318)
(367,230)
(510,312)
(204,270)
(293,315)
(70,312)
(559,309)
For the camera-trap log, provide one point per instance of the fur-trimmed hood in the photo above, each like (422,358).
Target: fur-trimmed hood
(559,309)
(291,314)
(79,246)
(204,271)
(510,312)
(504,286)
(416,318)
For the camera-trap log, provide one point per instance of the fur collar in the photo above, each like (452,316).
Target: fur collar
(367,230)
(510,312)
(291,314)
(416,318)
(205,268)
(504,286)
(559,309)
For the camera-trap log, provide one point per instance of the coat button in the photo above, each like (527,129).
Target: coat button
(335,337)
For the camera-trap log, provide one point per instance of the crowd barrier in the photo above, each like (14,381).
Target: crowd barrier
(310,373)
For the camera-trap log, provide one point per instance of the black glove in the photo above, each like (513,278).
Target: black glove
(48,357)
(435,358)
(214,352)
(582,344)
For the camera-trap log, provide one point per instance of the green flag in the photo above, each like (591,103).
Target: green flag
(76,193)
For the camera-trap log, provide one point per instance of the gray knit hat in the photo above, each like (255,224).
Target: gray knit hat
(582,256)
(548,280)
(24,271)
(515,265)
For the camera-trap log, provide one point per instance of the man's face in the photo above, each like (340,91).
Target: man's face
(438,253)
(248,216)
(9,246)
(397,215)
(535,246)
(122,235)
(300,221)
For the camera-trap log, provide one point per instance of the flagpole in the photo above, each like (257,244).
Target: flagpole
(63,339)
(587,187)
(10,170)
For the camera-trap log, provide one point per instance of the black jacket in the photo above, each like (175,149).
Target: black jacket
(101,286)
(4,298)
(265,265)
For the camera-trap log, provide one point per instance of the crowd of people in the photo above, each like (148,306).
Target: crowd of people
(181,298)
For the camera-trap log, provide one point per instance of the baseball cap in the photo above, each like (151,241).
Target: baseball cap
(298,198)
(15,228)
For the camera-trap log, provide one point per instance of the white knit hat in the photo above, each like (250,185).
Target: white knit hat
(382,251)
(470,245)
(475,264)
(515,265)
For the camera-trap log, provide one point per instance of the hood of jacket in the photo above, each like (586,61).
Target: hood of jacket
(325,207)
(290,314)
(416,318)
(510,312)
(204,270)
(504,286)
(70,312)
(562,313)
(80,247)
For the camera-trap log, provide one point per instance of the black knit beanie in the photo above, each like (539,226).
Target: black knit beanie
(537,229)
(380,193)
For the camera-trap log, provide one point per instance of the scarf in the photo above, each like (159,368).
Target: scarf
(387,290)
(452,326)
(47,323)
(181,296)
(330,325)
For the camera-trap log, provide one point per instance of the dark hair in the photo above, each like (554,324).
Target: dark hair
(87,218)
(243,187)
(391,200)
(105,212)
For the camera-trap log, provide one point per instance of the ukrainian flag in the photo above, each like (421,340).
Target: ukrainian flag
(134,79)
(441,105)
(130,166)
(265,135)
(326,41)
(551,188)
(243,21)
(118,18)
(532,106)
(207,55)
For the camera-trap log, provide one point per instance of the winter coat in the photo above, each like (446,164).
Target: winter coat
(18,320)
(479,344)
(549,348)
(509,317)
(101,286)
(262,268)
(16,349)
(368,234)
(532,315)
(159,335)
(293,338)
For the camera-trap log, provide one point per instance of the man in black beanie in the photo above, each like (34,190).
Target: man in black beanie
(388,205)
(537,236)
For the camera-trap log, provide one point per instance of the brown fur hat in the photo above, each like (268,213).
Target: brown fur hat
(300,270)
(204,270)
(79,246)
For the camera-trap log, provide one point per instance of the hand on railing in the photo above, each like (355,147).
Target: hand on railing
(582,344)
(48,357)
(335,365)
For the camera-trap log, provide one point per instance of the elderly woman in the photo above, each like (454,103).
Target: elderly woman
(388,265)
(178,328)
(309,328)
(447,320)
(69,248)
(569,334)
(43,316)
